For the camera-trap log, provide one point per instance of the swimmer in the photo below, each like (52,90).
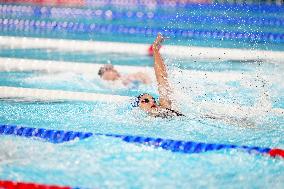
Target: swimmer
(109,73)
(148,103)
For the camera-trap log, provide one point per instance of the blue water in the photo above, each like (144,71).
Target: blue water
(101,162)
(105,162)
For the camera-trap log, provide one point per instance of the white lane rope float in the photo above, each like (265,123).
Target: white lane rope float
(56,95)
(192,52)
(49,66)
(14,64)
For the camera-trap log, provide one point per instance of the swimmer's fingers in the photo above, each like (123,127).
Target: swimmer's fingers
(163,37)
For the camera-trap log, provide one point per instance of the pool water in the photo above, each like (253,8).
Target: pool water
(104,162)
(101,162)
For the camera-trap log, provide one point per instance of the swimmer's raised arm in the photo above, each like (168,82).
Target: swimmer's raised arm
(161,75)
(147,102)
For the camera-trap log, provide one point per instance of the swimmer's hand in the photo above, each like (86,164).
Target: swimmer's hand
(163,36)
(159,40)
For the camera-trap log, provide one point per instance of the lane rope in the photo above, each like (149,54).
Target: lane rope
(187,147)
(192,52)
(108,14)
(49,66)
(31,94)
(181,4)
(49,135)
(8,184)
(31,25)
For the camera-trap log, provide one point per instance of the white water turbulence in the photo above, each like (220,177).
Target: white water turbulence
(238,98)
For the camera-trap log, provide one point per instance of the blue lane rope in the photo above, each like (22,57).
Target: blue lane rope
(236,7)
(185,146)
(59,136)
(27,25)
(75,13)
(54,136)
(261,8)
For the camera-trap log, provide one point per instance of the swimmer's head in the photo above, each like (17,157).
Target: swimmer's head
(146,102)
(107,72)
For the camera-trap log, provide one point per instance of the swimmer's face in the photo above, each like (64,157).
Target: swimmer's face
(110,75)
(148,103)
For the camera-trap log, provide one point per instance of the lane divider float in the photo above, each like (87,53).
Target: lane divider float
(192,52)
(187,147)
(49,135)
(47,95)
(109,14)
(178,4)
(7,184)
(80,27)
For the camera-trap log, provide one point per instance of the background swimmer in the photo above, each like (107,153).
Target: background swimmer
(109,73)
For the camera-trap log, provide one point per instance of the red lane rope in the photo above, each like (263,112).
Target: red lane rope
(276,152)
(6,184)
(51,2)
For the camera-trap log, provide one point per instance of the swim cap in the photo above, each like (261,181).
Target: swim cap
(136,100)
